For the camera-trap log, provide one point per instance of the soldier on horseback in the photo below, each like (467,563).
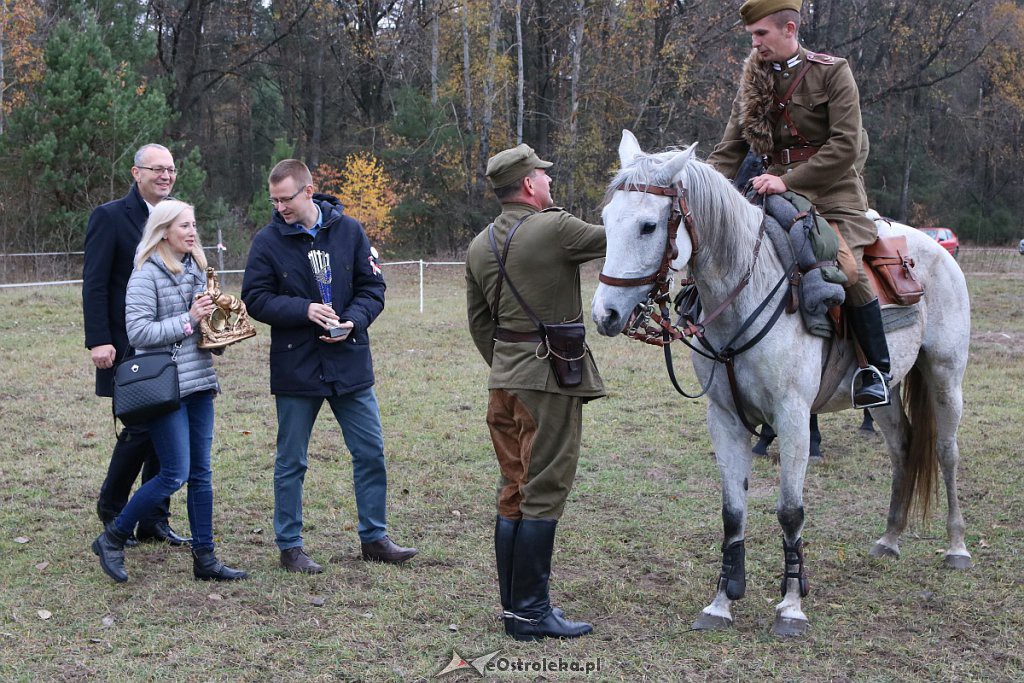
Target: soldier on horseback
(800,111)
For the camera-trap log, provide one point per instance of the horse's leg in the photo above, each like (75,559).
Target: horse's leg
(895,427)
(947,401)
(732,452)
(794,439)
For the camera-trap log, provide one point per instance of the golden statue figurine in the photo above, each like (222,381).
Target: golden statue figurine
(229,322)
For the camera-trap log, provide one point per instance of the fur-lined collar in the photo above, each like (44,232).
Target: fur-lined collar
(757,94)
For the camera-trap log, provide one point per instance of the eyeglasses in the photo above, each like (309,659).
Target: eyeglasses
(285,200)
(160,170)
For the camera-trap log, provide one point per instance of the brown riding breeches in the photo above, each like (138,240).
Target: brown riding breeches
(856,231)
(536,438)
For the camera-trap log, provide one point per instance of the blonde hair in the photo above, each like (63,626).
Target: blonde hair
(160,219)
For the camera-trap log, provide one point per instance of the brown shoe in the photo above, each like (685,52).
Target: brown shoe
(296,560)
(385,550)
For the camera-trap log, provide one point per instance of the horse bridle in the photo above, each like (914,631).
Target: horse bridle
(655,308)
(680,214)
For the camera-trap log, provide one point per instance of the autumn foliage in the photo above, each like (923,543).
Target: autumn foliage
(20,51)
(365,189)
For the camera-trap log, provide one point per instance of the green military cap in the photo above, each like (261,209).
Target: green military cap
(755,10)
(506,167)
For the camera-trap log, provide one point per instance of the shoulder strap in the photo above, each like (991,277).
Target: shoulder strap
(504,274)
(782,106)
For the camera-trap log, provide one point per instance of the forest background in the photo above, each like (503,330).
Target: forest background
(399,103)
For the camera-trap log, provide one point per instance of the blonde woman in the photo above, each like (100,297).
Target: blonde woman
(162,312)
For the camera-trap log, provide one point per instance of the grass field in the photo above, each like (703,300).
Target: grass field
(637,552)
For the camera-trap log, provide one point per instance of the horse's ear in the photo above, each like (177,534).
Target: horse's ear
(673,166)
(629,148)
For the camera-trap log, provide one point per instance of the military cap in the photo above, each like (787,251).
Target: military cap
(506,167)
(755,10)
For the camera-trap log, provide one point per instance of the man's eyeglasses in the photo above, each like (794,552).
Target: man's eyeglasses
(160,170)
(285,200)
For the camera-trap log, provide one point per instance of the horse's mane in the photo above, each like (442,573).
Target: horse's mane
(718,209)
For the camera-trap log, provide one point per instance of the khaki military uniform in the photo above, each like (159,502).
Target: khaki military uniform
(825,108)
(535,424)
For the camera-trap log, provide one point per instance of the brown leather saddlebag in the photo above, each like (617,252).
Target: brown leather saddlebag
(894,271)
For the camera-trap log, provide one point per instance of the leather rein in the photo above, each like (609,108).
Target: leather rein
(650,322)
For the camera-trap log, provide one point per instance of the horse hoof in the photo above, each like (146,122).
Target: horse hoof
(957,561)
(785,627)
(879,550)
(711,622)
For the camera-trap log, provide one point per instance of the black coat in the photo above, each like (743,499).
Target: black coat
(279,286)
(114,231)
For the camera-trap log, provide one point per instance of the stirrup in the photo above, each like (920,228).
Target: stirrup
(882,378)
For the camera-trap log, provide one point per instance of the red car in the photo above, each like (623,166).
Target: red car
(945,237)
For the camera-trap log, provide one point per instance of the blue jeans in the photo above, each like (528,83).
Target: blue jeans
(359,418)
(182,440)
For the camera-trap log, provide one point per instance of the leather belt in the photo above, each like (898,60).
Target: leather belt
(506,335)
(791,155)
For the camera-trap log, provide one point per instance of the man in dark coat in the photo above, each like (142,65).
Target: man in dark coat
(535,424)
(801,111)
(312,276)
(113,233)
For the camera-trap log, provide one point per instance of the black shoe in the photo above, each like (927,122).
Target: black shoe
(206,567)
(109,547)
(161,532)
(532,617)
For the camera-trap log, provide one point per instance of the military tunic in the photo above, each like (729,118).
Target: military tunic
(825,109)
(535,424)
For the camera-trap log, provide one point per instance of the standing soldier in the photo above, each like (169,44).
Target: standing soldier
(535,424)
(801,111)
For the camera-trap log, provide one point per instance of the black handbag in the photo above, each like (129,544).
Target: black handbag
(565,343)
(146,387)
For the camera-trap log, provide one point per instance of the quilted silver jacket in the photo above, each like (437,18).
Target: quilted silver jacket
(156,311)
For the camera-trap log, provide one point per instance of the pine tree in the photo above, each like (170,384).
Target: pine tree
(73,144)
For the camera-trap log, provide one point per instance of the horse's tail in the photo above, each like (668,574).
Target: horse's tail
(921,475)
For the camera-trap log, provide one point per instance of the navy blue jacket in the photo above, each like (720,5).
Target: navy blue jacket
(114,231)
(279,286)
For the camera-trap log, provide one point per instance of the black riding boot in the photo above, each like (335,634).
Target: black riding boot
(531,616)
(504,545)
(109,547)
(870,389)
(206,567)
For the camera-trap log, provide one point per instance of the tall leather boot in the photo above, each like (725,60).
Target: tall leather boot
(206,567)
(504,545)
(532,616)
(109,547)
(870,385)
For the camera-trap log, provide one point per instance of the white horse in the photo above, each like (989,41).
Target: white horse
(778,378)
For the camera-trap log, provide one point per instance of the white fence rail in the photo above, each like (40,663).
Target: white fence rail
(422,265)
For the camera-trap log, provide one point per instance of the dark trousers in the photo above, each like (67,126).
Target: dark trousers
(133,453)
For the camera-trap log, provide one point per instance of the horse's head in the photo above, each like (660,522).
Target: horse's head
(636,223)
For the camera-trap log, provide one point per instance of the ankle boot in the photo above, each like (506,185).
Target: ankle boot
(532,617)
(109,547)
(206,567)
(870,388)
